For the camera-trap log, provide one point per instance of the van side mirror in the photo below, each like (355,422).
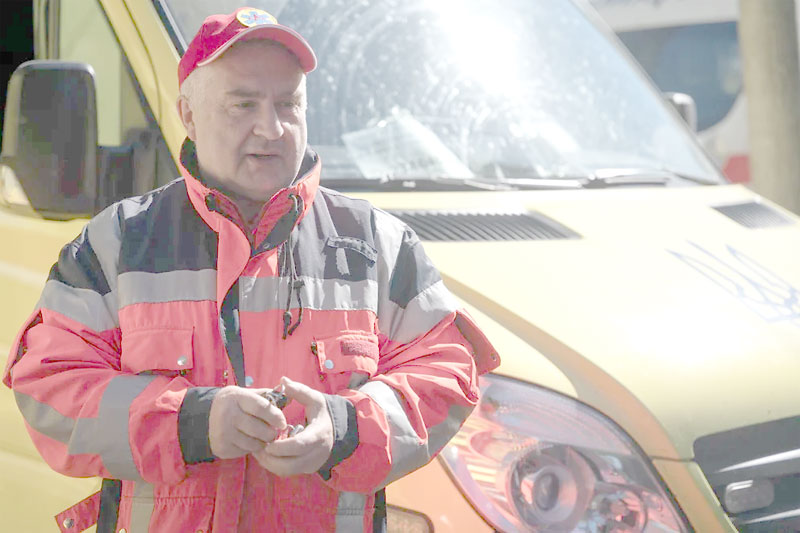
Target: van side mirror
(48,162)
(685,106)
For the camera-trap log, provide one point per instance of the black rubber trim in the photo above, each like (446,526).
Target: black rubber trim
(110,494)
(193,424)
(345,432)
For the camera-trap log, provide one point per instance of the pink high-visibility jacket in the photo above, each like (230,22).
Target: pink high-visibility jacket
(166,297)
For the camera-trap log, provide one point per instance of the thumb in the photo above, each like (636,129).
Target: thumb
(301,392)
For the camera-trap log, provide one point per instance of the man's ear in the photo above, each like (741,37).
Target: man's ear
(187,117)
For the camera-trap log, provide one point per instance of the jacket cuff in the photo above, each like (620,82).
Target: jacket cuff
(193,424)
(345,432)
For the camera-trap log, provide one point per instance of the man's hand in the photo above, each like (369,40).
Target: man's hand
(241,422)
(308,450)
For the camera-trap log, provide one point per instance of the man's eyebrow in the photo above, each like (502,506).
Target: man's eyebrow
(247,93)
(243,93)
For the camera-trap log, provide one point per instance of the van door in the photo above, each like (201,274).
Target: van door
(133,155)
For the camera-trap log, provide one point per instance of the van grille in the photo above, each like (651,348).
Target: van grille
(754,215)
(767,454)
(479,226)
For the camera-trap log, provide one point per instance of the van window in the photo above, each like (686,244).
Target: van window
(404,91)
(701,60)
(127,131)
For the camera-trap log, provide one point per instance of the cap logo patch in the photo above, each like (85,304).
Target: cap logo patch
(253,17)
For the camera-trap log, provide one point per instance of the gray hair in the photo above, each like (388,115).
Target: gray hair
(194,86)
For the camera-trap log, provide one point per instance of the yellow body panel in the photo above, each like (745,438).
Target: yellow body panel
(427,492)
(694,495)
(164,59)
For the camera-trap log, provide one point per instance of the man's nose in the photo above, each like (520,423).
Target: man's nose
(268,123)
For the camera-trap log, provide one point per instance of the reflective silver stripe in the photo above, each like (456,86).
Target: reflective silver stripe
(265,294)
(112,442)
(350,512)
(420,315)
(441,433)
(44,419)
(186,285)
(106,241)
(142,506)
(408,451)
(106,435)
(95,311)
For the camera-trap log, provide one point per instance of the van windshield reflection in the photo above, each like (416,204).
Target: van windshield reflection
(473,90)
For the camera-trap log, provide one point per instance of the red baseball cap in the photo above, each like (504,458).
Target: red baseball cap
(219,32)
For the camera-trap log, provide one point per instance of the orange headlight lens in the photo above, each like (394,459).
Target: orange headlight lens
(532,460)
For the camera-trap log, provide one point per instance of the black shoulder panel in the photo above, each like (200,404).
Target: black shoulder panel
(336,239)
(162,232)
(79,267)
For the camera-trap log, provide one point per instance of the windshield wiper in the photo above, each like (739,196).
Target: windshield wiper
(610,177)
(600,179)
(604,178)
(428,183)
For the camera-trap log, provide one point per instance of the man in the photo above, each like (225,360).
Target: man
(164,325)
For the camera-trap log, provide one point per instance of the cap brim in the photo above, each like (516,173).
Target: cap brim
(289,38)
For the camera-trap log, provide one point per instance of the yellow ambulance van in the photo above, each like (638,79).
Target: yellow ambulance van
(646,311)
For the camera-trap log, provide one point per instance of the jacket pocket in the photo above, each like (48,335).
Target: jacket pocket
(349,257)
(146,514)
(157,351)
(346,361)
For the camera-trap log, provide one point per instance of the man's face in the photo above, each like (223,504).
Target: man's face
(248,120)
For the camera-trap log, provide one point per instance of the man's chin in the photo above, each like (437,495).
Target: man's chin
(259,189)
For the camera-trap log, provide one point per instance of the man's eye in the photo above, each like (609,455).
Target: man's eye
(244,105)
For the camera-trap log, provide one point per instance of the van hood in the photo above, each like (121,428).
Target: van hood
(663,312)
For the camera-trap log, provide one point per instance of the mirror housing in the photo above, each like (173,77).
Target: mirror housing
(48,164)
(686,107)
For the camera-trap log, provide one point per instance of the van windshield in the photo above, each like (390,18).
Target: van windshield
(480,90)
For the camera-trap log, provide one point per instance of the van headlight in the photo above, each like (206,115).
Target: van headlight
(529,459)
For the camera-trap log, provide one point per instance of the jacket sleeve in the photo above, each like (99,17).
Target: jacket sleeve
(431,353)
(86,416)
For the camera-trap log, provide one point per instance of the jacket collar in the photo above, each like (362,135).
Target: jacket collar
(215,208)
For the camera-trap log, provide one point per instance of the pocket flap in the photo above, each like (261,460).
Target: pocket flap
(157,349)
(357,245)
(350,352)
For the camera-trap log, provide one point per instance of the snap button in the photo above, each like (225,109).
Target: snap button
(248,381)
(182,360)
(328,364)
(123,530)
(225,374)
(68,523)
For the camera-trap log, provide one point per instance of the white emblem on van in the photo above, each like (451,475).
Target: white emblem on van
(767,294)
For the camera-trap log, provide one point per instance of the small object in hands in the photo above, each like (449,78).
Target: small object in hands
(294,430)
(276,397)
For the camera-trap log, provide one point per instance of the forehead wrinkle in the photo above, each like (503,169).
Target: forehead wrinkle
(244,93)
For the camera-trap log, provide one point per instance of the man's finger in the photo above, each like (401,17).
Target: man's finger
(286,466)
(256,428)
(302,393)
(261,408)
(291,446)
(245,442)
